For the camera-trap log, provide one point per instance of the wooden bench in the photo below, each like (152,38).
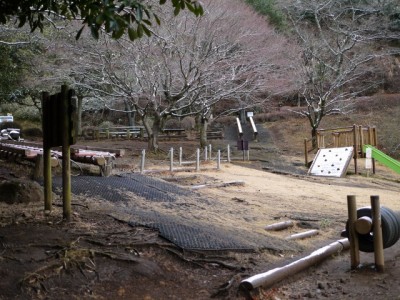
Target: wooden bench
(119,132)
(173,131)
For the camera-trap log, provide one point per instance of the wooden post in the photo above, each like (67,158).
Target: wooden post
(353,238)
(219,159)
(142,161)
(305,152)
(171,164)
(198,159)
(209,151)
(66,154)
(48,189)
(180,156)
(335,139)
(355,148)
(38,169)
(377,231)
(205,153)
(360,137)
(375,144)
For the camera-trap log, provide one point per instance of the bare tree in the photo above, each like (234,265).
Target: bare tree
(189,65)
(338,39)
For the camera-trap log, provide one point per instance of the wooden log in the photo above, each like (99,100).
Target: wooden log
(117,152)
(225,184)
(303,235)
(96,160)
(279,226)
(273,276)
(363,225)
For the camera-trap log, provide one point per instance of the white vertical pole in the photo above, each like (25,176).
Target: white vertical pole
(172,159)
(209,151)
(180,156)
(219,159)
(198,159)
(248,154)
(205,153)
(229,153)
(142,161)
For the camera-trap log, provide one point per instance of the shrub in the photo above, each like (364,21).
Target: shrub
(225,121)
(29,113)
(5,125)
(106,124)
(6,108)
(32,132)
(172,124)
(188,123)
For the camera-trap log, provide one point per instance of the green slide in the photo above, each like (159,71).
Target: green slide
(383,158)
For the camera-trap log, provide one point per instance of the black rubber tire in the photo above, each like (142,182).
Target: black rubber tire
(394,224)
(390,229)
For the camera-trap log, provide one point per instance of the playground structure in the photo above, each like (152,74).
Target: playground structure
(382,158)
(368,229)
(355,136)
(371,229)
(253,127)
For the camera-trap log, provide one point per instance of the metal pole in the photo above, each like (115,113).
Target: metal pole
(142,161)
(209,151)
(219,159)
(198,159)
(171,164)
(229,153)
(180,156)
(205,153)
(377,230)
(353,238)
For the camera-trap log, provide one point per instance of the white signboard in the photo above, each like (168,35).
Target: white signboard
(368,158)
(331,162)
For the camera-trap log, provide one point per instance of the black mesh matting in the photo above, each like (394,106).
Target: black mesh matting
(112,188)
(184,231)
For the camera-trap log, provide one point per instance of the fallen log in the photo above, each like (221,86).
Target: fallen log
(303,235)
(225,184)
(273,276)
(279,226)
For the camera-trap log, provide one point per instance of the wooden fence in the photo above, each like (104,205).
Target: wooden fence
(352,136)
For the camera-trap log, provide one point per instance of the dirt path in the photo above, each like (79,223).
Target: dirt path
(97,257)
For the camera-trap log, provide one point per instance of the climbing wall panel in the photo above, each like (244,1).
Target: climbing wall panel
(331,162)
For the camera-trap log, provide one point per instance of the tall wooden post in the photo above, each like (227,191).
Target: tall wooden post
(356,147)
(46,154)
(354,244)
(66,156)
(377,230)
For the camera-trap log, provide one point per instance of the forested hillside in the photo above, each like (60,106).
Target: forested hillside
(192,69)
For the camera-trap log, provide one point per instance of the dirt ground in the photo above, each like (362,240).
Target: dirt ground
(96,256)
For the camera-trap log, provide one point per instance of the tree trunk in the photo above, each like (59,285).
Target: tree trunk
(203,132)
(314,137)
(152,133)
(79,112)
(130,114)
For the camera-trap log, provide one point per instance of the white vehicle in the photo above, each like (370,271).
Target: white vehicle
(6,119)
